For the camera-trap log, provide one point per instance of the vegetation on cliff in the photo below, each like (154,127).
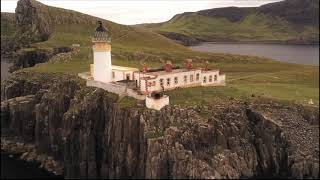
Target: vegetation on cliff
(82,132)
(291,21)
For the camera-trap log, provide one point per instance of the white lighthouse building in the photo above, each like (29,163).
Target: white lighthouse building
(102,67)
(144,83)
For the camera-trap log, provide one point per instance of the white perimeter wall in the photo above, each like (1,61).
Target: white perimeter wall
(115,88)
(102,70)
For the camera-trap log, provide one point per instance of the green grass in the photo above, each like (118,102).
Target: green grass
(244,78)
(279,81)
(246,75)
(127,101)
(7,24)
(154,134)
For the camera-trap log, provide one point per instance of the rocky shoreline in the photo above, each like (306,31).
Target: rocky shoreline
(85,131)
(27,152)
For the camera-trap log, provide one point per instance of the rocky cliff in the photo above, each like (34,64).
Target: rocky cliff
(84,132)
(33,21)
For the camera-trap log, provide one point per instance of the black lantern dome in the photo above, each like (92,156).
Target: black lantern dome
(100,28)
(101,34)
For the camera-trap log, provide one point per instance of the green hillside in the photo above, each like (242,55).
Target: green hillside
(7,24)
(246,75)
(8,29)
(294,21)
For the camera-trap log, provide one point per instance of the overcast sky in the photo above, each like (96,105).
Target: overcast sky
(138,11)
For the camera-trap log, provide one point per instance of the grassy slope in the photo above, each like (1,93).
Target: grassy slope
(7,24)
(131,45)
(254,27)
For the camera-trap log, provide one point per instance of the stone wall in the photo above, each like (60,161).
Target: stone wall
(114,88)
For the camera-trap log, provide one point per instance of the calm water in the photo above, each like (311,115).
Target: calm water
(14,168)
(299,54)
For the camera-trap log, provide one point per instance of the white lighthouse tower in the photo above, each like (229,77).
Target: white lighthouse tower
(102,66)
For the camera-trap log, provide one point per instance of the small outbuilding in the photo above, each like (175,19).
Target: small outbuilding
(156,100)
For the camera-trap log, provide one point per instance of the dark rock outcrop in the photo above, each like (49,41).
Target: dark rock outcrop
(36,21)
(31,56)
(33,20)
(94,137)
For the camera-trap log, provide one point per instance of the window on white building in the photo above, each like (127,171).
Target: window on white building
(215,77)
(197,77)
(185,78)
(168,82)
(210,78)
(176,80)
(191,78)
(161,82)
(204,79)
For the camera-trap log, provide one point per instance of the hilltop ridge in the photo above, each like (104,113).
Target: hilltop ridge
(37,22)
(289,21)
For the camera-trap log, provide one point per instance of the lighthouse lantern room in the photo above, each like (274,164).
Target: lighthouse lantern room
(102,67)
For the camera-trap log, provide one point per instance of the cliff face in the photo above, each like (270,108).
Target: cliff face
(88,134)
